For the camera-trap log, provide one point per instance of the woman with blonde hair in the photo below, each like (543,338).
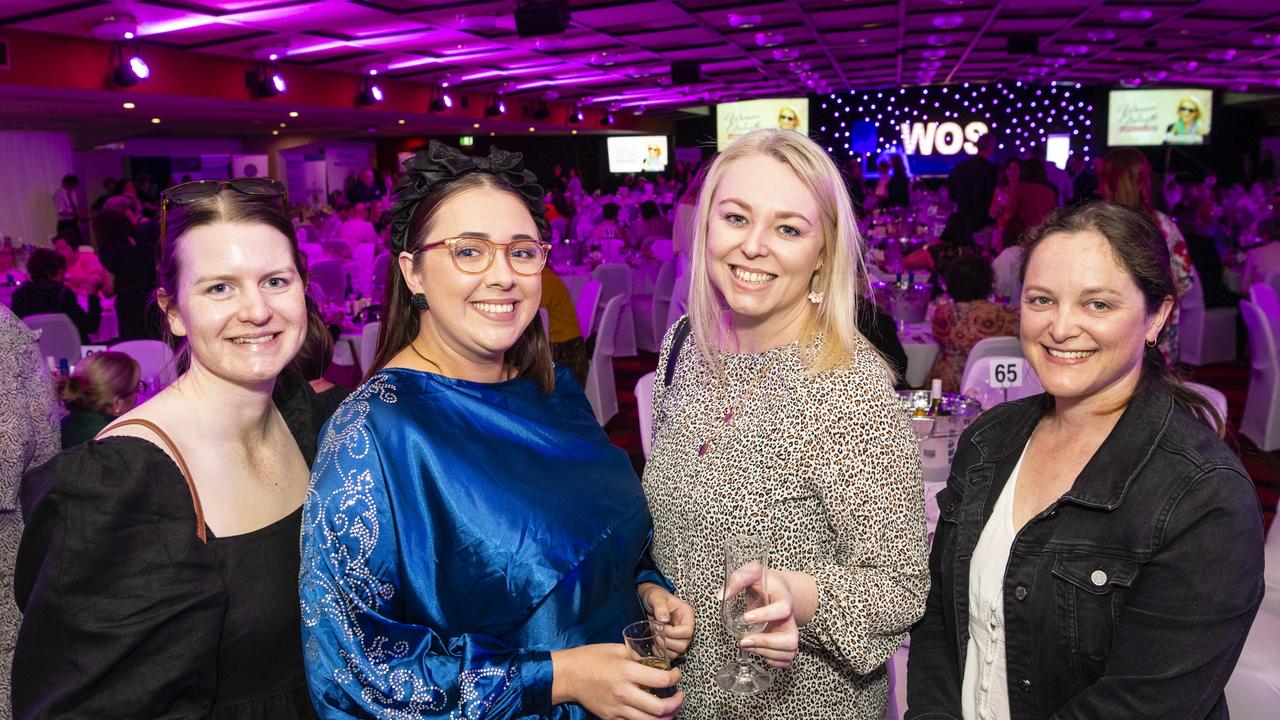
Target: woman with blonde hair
(776,418)
(102,387)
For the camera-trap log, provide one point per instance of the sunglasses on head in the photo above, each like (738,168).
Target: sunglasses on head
(190,192)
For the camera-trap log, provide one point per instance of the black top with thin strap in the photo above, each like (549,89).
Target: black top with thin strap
(130,613)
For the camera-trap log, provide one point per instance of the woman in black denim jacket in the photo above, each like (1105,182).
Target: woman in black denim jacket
(1132,555)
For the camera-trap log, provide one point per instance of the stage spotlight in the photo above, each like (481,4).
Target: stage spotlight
(129,72)
(575,116)
(607,120)
(443,101)
(497,107)
(370,93)
(265,82)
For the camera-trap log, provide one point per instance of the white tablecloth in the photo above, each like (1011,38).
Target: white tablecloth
(921,351)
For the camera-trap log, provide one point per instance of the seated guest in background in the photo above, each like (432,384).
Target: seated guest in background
(881,191)
(1099,553)
(899,190)
(609,228)
(356,228)
(855,182)
(972,184)
(685,214)
(968,317)
(780,421)
(313,361)
(652,224)
(129,252)
(473,544)
(110,188)
(1055,177)
(84,273)
(1031,200)
(1006,184)
(158,570)
(1084,182)
(47,293)
(28,414)
(366,188)
(1006,268)
(102,387)
(568,347)
(882,332)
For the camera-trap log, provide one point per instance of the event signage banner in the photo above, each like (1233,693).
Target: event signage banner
(733,120)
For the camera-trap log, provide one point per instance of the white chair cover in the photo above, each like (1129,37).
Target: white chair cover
(1001,345)
(1205,335)
(1273,279)
(679,299)
(650,311)
(59,337)
(1213,395)
(662,249)
(153,357)
(615,280)
(644,407)
(1253,693)
(601,390)
(588,307)
(1265,297)
(368,345)
(977,385)
(330,278)
(1261,421)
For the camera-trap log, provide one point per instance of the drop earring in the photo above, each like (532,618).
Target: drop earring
(815,297)
(418,301)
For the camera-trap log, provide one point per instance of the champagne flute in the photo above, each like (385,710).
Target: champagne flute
(647,642)
(746,558)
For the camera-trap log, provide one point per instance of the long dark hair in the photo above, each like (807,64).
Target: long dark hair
(1140,248)
(228,206)
(530,356)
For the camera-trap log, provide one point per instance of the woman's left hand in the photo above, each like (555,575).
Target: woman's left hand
(664,607)
(779,642)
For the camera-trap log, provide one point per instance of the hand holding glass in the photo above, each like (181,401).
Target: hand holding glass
(746,558)
(648,646)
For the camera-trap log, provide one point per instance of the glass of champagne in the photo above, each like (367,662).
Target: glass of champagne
(647,642)
(746,558)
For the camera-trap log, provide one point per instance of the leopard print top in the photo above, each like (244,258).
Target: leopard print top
(826,467)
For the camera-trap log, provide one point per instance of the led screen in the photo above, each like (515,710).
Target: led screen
(637,153)
(736,119)
(1155,117)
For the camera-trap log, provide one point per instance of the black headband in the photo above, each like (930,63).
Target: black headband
(437,164)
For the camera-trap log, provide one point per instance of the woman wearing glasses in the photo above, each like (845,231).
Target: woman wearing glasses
(473,545)
(1189,121)
(158,566)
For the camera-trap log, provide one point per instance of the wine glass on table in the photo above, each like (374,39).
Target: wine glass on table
(746,558)
(647,642)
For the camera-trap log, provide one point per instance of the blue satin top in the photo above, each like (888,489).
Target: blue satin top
(454,534)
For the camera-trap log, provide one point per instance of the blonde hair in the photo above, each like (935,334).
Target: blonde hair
(842,271)
(98,380)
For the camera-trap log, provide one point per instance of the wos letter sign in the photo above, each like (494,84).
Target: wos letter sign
(946,138)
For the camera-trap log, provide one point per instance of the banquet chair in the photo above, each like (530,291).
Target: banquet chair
(1264,296)
(329,277)
(1205,335)
(1261,420)
(976,382)
(59,337)
(679,299)
(155,359)
(1273,279)
(1005,345)
(601,390)
(615,281)
(644,407)
(368,346)
(1253,692)
(588,307)
(1213,396)
(650,311)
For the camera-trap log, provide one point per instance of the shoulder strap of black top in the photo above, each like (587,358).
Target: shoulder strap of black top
(677,342)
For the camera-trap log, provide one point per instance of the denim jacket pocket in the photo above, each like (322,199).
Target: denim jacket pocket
(1090,599)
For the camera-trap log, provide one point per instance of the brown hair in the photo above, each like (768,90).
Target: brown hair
(98,380)
(530,356)
(228,206)
(1126,180)
(316,353)
(1139,248)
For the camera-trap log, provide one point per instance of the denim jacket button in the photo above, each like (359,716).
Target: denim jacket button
(1020,592)
(1099,578)
(1025,685)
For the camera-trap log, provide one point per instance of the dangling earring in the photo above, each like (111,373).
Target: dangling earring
(418,301)
(815,297)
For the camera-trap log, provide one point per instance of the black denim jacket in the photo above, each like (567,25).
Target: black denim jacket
(1129,597)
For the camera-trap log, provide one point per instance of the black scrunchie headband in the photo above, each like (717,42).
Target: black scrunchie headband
(437,164)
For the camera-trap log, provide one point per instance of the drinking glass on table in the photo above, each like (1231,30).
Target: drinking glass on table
(648,645)
(746,559)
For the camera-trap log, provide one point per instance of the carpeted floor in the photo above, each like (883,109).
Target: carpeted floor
(1231,378)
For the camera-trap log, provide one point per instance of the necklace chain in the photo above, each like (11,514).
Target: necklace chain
(732,410)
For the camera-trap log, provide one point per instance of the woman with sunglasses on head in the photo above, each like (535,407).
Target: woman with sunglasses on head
(157,572)
(473,544)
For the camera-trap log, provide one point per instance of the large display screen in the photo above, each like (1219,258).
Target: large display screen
(1155,117)
(637,153)
(736,119)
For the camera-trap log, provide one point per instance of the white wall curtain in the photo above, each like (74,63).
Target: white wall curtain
(32,164)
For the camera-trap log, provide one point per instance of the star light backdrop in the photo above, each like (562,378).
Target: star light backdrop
(943,121)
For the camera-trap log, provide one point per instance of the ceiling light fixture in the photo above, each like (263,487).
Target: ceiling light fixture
(497,106)
(131,71)
(742,21)
(442,101)
(266,81)
(370,93)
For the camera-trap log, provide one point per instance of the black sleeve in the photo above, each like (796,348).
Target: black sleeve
(122,603)
(882,333)
(933,671)
(86,322)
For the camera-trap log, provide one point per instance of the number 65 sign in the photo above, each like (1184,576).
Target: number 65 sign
(1006,372)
